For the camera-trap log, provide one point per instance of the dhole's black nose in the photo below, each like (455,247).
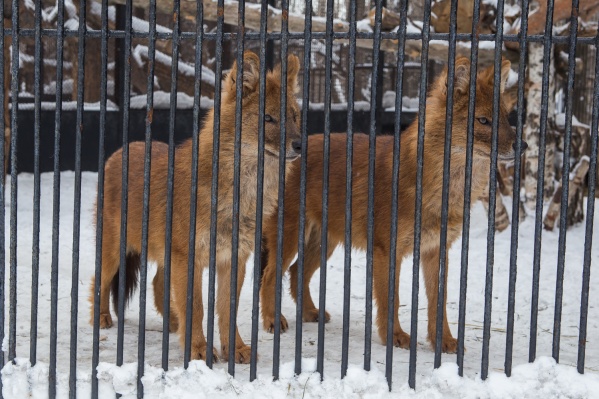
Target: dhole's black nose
(524,146)
(297,146)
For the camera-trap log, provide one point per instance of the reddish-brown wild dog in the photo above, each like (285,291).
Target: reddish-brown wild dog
(181,204)
(432,186)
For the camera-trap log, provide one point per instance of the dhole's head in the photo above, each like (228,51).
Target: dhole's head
(483,115)
(272,111)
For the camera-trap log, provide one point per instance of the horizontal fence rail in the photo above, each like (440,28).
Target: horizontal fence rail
(222,193)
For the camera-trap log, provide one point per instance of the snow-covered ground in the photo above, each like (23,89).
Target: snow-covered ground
(543,379)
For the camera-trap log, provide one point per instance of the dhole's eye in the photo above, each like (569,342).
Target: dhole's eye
(269,119)
(483,121)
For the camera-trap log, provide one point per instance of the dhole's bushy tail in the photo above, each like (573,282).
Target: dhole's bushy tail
(132,266)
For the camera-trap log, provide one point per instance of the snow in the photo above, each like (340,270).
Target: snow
(162,99)
(512,79)
(560,121)
(186,69)
(363,25)
(69,106)
(542,379)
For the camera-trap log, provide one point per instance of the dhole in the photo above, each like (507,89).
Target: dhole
(432,186)
(181,204)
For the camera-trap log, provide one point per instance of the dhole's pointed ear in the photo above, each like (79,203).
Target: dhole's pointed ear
(251,75)
(461,76)
(293,67)
(505,73)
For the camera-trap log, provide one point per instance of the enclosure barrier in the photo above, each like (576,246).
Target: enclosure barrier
(200,39)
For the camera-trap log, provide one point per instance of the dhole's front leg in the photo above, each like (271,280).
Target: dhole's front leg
(430,267)
(312,248)
(179,292)
(381,293)
(223,307)
(269,280)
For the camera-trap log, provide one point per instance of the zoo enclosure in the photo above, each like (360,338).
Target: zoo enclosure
(378,39)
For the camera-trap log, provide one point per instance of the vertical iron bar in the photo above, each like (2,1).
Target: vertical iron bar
(100,198)
(77,199)
(14,93)
(143,272)
(214,186)
(325,188)
(2,188)
(492,193)
(516,192)
(303,171)
(281,199)
(468,186)
(586,271)
(392,314)
(236,188)
(259,193)
(197,99)
(445,192)
(418,200)
(56,202)
(124,110)
(166,316)
(349,145)
(35,250)
(536,271)
(371,166)
(563,216)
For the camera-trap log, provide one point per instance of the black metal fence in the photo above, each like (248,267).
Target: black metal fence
(200,39)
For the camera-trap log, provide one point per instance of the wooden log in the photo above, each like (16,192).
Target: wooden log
(502,220)
(390,19)
(296,24)
(532,128)
(562,10)
(575,190)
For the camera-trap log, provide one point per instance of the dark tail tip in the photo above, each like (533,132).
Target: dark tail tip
(132,266)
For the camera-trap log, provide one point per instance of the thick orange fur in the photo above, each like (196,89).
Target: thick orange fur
(181,204)
(431,200)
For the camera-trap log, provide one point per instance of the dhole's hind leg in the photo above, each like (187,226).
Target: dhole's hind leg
(110,267)
(179,294)
(381,293)
(223,307)
(312,250)
(430,267)
(158,284)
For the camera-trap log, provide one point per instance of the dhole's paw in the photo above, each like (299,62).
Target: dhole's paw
(401,340)
(198,352)
(269,324)
(312,315)
(105,320)
(449,345)
(242,354)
